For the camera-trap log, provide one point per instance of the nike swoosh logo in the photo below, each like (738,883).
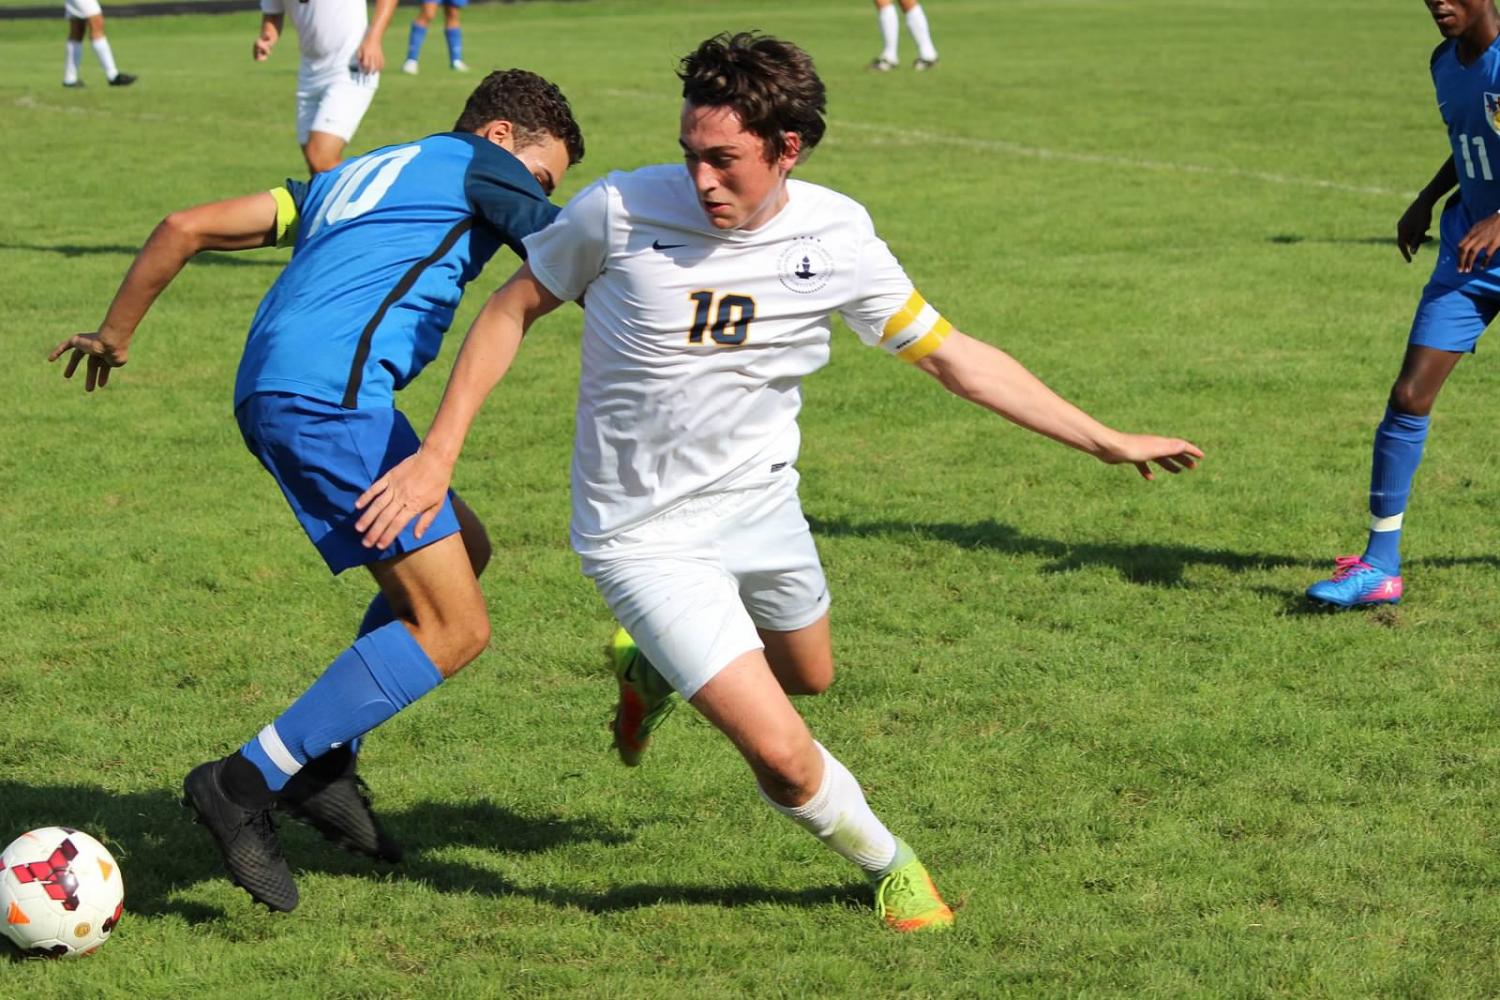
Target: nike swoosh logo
(659,245)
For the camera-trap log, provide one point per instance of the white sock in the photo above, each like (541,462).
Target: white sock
(838,815)
(916,23)
(106,57)
(890,32)
(75,60)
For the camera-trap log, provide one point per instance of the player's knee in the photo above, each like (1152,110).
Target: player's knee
(470,638)
(814,680)
(788,770)
(1412,398)
(319,162)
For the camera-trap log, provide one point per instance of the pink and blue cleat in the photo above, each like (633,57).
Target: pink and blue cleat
(1355,583)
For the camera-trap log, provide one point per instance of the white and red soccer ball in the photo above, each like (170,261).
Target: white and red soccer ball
(60,892)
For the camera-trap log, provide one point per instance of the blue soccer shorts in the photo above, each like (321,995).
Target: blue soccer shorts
(1451,319)
(323,457)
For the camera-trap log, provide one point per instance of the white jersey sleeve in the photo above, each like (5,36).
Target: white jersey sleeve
(570,253)
(272,7)
(887,311)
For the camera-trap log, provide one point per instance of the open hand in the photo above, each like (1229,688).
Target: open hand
(414,488)
(1477,248)
(103,358)
(1172,454)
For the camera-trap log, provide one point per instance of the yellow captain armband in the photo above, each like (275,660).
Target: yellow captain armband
(915,331)
(286,217)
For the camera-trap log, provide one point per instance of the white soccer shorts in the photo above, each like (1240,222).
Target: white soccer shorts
(334,103)
(81,9)
(692,585)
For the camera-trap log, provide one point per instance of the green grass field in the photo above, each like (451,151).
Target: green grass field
(1098,707)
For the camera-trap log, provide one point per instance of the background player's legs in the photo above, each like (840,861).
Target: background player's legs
(916,23)
(453,33)
(418,35)
(322,151)
(1447,325)
(802,659)
(890,36)
(105,54)
(74,60)
(1398,449)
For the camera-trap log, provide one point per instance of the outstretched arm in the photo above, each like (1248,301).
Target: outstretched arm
(415,488)
(973,370)
(237,224)
(1411,228)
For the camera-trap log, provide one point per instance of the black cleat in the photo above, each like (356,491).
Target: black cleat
(122,80)
(329,797)
(922,65)
(246,838)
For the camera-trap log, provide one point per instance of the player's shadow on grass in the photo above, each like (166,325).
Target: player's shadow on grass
(1149,563)
(209,257)
(162,852)
(1292,239)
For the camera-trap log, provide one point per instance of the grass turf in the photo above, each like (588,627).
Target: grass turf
(1098,708)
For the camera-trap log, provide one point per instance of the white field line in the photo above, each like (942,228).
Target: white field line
(895,135)
(30,103)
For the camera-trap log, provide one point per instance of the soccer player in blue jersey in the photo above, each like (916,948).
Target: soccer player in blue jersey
(1460,299)
(382,247)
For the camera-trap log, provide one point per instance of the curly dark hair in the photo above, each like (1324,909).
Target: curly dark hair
(770,84)
(533,105)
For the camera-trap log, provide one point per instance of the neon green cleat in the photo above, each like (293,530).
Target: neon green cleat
(645,698)
(906,899)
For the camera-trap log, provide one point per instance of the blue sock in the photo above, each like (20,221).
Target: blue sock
(377,614)
(415,39)
(369,682)
(455,38)
(1398,452)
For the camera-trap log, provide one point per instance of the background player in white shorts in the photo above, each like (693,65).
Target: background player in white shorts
(81,13)
(710,291)
(340,71)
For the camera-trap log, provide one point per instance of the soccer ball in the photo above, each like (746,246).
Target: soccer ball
(60,892)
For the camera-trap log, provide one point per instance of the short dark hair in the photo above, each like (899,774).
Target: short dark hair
(532,104)
(770,84)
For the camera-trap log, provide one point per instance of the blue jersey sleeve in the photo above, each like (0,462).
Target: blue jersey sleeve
(505,195)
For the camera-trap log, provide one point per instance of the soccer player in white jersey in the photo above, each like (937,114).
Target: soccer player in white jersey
(709,289)
(340,71)
(87,14)
(890,35)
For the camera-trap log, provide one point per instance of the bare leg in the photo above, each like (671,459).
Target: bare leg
(323,151)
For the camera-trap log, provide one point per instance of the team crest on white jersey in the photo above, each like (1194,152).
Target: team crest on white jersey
(805,267)
(1492,111)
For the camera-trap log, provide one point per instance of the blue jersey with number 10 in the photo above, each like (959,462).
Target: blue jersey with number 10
(1468,98)
(384,246)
